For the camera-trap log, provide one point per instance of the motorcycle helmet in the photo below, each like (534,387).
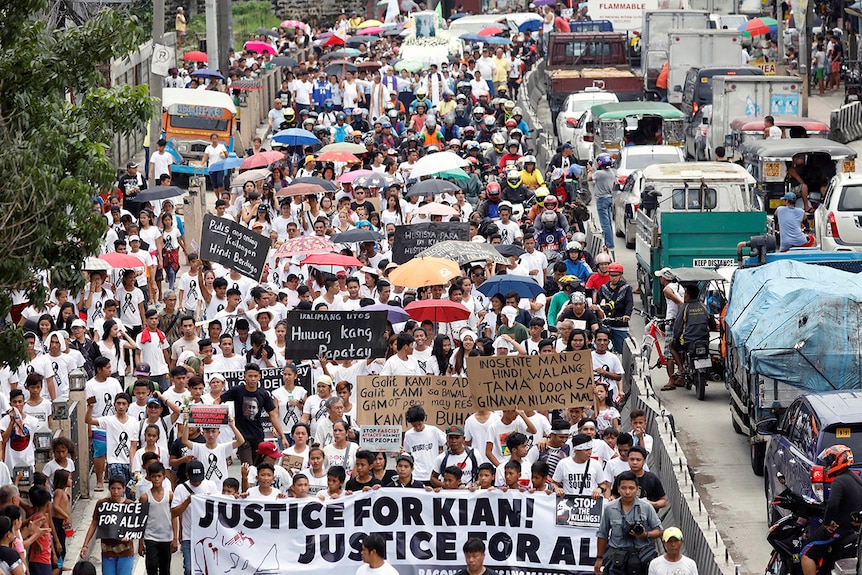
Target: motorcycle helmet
(357,112)
(516,133)
(455,142)
(511,143)
(557,174)
(369,141)
(478,113)
(288,112)
(493,190)
(834,459)
(617,268)
(421,92)
(549,220)
(513,178)
(551,203)
(449,118)
(308,121)
(604,160)
(499,140)
(516,111)
(340,116)
(318,129)
(385,124)
(490,122)
(460,98)
(393,114)
(464,86)
(542,193)
(471,145)
(430,123)
(573,248)
(327,103)
(505,205)
(509,105)
(388,106)
(473,161)
(510,123)
(529,159)
(468,130)
(423,105)
(603,258)
(460,110)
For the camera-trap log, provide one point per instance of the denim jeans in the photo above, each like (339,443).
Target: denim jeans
(118,565)
(603,207)
(618,339)
(187,556)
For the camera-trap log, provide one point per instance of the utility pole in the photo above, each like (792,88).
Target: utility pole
(213,51)
(224,29)
(157,82)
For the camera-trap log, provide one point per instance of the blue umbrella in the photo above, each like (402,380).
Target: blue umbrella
(226,164)
(530,25)
(395,313)
(525,286)
(472,38)
(207,73)
(496,40)
(295,137)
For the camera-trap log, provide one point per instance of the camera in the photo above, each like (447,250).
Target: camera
(636,528)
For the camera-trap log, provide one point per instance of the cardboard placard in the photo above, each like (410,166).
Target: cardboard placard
(557,380)
(292,463)
(272,378)
(121,520)
(208,415)
(413,238)
(234,246)
(386,438)
(383,400)
(339,334)
(579,511)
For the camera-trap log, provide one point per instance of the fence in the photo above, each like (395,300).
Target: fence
(846,123)
(685,508)
(254,107)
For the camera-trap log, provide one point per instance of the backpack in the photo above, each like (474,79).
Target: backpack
(169,434)
(470,455)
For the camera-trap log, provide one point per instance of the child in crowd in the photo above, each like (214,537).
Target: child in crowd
(37,406)
(363,480)
(264,488)
(335,477)
(62,509)
(317,479)
(162,530)
(230,487)
(42,554)
(300,486)
(539,477)
(65,453)
(485,478)
(512,476)
(452,477)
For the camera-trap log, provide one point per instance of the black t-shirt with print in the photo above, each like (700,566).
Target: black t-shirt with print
(250,407)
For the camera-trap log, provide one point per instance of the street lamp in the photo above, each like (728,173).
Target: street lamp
(77,379)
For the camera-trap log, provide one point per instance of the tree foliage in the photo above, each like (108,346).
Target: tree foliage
(55,155)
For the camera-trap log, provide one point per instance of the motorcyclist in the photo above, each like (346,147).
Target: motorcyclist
(397,125)
(551,205)
(431,134)
(489,207)
(476,117)
(845,498)
(462,118)
(693,323)
(575,266)
(550,237)
(514,191)
(341,131)
(328,116)
(493,156)
(473,185)
(421,97)
(450,129)
(581,238)
(386,139)
(616,303)
(512,155)
(488,129)
(359,122)
(539,207)
(518,116)
(530,176)
(289,119)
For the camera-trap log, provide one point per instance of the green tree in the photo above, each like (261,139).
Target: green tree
(55,155)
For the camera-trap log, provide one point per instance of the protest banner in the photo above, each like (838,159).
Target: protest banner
(424,532)
(234,246)
(383,400)
(552,381)
(411,239)
(338,334)
(208,415)
(386,438)
(121,520)
(579,511)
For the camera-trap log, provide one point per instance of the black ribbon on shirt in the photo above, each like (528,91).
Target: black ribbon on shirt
(123,446)
(213,466)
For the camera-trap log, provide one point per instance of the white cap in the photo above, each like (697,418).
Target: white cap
(134,239)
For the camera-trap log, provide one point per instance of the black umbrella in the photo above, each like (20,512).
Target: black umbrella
(372,181)
(157,193)
(431,187)
(356,235)
(357,40)
(340,67)
(325,184)
(268,32)
(510,250)
(284,61)
(395,32)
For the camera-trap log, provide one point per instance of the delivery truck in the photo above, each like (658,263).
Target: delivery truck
(655,27)
(697,49)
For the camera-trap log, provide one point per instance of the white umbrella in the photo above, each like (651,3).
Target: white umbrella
(250,176)
(92,264)
(435,163)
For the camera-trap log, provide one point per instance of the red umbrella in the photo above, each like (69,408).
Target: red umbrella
(300,190)
(260,47)
(334,156)
(195,56)
(261,160)
(437,310)
(331,260)
(335,40)
(490,31)
(121,260)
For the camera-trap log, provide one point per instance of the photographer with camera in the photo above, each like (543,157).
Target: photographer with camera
(625,537)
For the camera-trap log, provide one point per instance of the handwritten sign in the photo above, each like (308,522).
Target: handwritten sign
(558,380)
(208,415)
(293,463)
(234,246)
(121,520)
(413,238)
(579,511)
(338,334)
(383,400)
(385,438)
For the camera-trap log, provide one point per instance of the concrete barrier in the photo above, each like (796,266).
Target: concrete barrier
(544,144)
(846,123)
(685,508)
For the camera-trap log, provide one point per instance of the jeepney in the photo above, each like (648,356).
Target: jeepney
(189,118)
(747,129)
(619,124)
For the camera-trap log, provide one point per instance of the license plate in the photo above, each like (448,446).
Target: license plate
(842,433)
(704,363)
(772,169)
(775,203)
(712,262)
(848,166)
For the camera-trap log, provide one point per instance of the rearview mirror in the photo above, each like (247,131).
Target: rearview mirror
(767,426)
(728,140)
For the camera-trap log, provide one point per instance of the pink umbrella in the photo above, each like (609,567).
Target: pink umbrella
(260,47)
(490,31)
(348,177)
(294,24)
(260,160)
(305,245)
(370,31)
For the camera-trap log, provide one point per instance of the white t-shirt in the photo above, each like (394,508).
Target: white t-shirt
(161,164)
(500,432)
(214,154)
(58,367)
(661,566)
(214,460)
(571,475)
(17,451)
(183,492)
(463,461)
(345,457)
(289,414)
(104,392)
(396,366)
(151,353)
(50,468)
(774,133)
(40,412)
(164,459)
(427,363)
(385,569)
(118,437)
(314,407)
(424,446)
(127,305)
(543,428)
(614,366)
(509,232)
(188,284)
(254,493)
(478,434)
(281,482)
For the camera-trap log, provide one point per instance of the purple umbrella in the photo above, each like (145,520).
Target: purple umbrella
(543,2)
(394,314)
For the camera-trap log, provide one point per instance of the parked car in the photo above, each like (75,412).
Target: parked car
(626,204)
(813,422)
(582,141)
(574,107)
(838,220)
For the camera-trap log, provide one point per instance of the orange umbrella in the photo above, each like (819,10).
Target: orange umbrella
(336,156)
(490,31)
(421,272)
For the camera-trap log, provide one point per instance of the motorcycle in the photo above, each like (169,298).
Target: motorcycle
(698,364)
(787,535)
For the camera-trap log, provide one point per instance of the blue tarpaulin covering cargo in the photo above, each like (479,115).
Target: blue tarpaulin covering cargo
(799,324)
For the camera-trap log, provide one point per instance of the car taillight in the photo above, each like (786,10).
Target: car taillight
(832,231)
(818,480)
(621,180)
(572,122)
(694,108)
(588,137)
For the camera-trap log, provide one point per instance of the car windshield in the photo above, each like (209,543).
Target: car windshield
(641,161)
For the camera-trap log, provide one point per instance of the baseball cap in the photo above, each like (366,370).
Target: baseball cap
(454,430)
(134,239)
(665,273)
(670,533)
(566,146)
(154,401)
(405,457)
(195,471)
(142,369)
(131,165)
(269,449)
(789,196)
(79,323)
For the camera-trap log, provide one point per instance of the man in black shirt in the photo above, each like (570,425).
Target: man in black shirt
(474,555)
(182,455)
(404,471)
(649,485)
(250,402)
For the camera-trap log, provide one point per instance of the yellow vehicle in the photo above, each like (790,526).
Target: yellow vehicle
(190,118)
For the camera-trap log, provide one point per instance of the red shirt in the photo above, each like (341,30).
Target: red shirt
(597,280)
(561,24)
